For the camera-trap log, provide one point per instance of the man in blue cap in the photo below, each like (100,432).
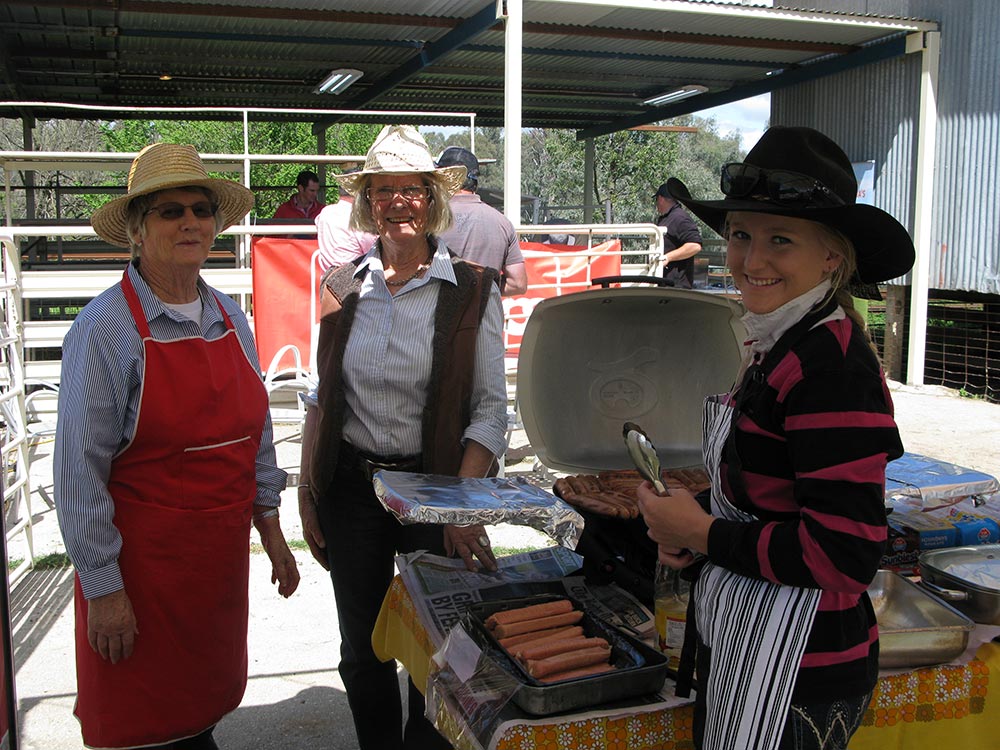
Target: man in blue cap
(480,233)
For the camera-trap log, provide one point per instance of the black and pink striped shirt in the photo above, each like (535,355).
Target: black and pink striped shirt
(813,443)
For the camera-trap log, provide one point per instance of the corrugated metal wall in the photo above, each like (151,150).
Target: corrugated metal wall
(872,112)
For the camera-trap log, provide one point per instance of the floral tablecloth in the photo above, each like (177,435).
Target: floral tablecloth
(936,708)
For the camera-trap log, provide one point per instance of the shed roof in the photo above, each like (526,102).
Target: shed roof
(587,64)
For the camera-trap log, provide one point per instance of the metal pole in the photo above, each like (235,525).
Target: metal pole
(321,149)
(27,125)
(513,35)
(930,43)
(588,181)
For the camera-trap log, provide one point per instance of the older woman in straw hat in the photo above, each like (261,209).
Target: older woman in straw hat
(792,535)
(163,456)
(411,378)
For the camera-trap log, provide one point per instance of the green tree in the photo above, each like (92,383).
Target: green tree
(628,167)
(272,183)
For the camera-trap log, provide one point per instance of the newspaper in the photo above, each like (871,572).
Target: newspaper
(442,589)
(469,700)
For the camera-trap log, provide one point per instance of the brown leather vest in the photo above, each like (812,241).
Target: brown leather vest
(447,411)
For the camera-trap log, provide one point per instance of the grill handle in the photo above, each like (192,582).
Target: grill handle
(605,281)
(949,595)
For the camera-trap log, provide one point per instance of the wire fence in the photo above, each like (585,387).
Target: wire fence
(963,343)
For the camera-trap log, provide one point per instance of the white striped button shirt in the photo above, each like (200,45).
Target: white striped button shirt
(387,364)
(99,397)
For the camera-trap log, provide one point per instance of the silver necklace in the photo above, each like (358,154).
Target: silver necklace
(420,269)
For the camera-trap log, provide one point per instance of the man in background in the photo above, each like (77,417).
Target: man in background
(681,241)
(305,204)
(480,233)
(338,243)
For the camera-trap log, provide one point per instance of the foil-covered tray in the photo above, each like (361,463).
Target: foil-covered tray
(935,483)
(915,628)
(433,498)
(640,669)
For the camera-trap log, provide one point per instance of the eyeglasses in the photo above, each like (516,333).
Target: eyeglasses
(174,211)
(388,194)
(745,180)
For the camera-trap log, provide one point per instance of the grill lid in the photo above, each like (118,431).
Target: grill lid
(593,360)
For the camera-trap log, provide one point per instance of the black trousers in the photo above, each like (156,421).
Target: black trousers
(361,541)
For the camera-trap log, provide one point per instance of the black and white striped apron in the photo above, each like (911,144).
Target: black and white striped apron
(756,630)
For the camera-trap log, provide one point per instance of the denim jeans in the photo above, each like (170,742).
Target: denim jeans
(823,725)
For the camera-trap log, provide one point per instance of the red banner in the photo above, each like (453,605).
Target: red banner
(281,290)
(563,269)
(281,298)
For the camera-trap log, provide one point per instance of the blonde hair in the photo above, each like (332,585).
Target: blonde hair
(841,277)
(439,215)
(138,208)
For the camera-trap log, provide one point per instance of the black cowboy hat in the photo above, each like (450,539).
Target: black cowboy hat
(799,172)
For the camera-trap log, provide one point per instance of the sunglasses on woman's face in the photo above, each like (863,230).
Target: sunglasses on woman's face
(747,181)
(173,211)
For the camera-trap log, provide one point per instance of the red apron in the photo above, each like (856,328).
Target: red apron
(183,491)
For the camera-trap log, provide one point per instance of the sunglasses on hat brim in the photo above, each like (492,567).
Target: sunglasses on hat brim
(740,180)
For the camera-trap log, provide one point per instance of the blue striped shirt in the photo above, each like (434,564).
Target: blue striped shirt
(99,395)
(387,364)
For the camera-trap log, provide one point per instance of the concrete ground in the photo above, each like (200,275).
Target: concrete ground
(295,698)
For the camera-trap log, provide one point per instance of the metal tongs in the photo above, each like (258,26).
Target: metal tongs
(643,454)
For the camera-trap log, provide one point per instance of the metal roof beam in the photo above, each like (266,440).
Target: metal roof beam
(269,38)
(451,41)
(678,37)
(8,71)
(274,13)
(638,56)
(866,56)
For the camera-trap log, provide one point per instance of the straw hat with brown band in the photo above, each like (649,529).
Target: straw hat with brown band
(165,166)
(400,149)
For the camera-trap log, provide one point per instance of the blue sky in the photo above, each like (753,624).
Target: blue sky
(748,117)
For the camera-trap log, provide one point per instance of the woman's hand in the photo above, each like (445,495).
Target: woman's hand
(678,524)
(284,569)
(466,541)
(111,626)
(311,531)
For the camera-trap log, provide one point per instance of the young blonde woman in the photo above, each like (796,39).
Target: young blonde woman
(787,643)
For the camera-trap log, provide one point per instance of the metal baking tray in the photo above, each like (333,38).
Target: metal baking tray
(915,628)
(640,670)
(952,575)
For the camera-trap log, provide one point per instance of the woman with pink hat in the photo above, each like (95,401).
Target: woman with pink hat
(163,458)
(411,378)
(780,624)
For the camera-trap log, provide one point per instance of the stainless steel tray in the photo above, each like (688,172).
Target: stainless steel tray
(915,628)
(943,571)
(641,670)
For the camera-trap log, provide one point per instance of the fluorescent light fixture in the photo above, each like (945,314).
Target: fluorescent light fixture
(675,95)
(338,80)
